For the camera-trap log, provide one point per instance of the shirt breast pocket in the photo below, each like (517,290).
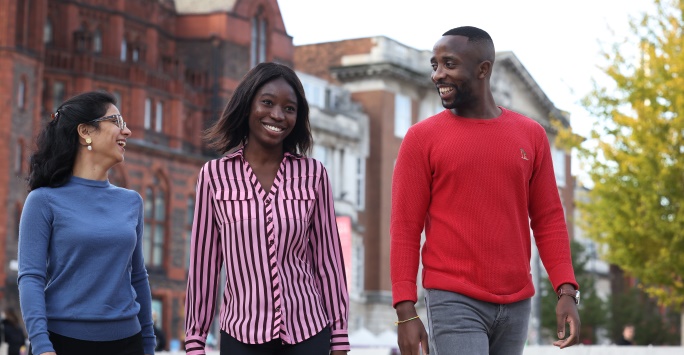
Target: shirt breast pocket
(298,203)
(235,205)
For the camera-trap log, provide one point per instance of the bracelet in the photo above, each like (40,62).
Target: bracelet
(406,320)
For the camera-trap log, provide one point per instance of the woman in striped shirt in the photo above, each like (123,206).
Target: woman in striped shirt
(265,212)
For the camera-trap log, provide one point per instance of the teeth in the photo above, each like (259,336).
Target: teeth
(121,143)
(445,91)
(273,128)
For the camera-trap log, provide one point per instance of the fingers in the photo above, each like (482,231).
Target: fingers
(424,342)
(574,333)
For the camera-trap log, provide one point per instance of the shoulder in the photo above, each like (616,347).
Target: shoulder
(524,121)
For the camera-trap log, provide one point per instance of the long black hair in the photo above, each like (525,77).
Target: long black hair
(57,145)
(232,128)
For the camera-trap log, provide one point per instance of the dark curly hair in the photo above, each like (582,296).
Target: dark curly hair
(57,145)
(232,128)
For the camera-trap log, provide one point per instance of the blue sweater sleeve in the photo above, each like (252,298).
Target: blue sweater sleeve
(35,229)
(140,283)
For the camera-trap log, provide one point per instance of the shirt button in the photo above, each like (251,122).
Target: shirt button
(277,309)
(268,201)
(270,242)
(269,219)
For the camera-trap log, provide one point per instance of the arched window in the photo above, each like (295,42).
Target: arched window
(259,32)
(21,94)
(189,216)
(97,41)
(47,32)
(124,48)
(155,222)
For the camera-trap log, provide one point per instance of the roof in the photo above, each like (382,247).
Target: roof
(204,6)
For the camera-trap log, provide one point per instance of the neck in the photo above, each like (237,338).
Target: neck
(483,107)
(86,167)
(261,155)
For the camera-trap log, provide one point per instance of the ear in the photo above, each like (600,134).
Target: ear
(84,130)
(484,70)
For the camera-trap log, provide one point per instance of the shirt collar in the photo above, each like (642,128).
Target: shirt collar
(240,152)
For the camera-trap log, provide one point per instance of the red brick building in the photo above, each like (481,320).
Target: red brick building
(171,64)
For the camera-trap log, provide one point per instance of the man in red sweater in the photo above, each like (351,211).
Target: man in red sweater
(476,177)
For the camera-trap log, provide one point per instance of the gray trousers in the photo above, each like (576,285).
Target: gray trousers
(462,325)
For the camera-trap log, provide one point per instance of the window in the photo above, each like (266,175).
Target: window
(21,94)
(148,114)
(189,216)
(402,115)
(57,94)
(360,183)
(159,116)
(124,48)
(19,156)
(97,41)
(258,44)
(135,55)
(117,96)
(558,158)
(17,219)
(155,222)
(47,32)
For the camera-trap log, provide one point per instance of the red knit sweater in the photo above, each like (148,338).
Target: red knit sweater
(477,187)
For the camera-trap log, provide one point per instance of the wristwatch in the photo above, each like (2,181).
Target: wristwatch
(575,294)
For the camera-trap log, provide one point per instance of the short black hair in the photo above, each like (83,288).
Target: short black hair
(232,128)
(474,34)
(478,36)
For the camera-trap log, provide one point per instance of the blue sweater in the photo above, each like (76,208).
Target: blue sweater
(81,268)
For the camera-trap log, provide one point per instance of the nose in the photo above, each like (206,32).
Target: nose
(437,74)
(278,113)
(126,131)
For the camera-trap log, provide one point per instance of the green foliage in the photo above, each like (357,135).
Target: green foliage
(593,311)
(636,204)
(653,325)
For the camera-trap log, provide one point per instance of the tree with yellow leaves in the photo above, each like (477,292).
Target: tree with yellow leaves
(636,162)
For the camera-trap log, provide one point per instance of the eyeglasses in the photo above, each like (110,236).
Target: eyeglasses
(117,119)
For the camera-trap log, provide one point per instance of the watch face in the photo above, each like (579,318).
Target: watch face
(577,296)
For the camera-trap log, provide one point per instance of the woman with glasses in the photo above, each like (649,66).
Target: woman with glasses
(265,212)
(82,280)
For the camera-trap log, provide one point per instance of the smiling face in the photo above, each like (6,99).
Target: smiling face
(273,114)
(109,140)
(455,72)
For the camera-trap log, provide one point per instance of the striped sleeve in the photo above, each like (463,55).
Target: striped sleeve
(205,265)
(329,264)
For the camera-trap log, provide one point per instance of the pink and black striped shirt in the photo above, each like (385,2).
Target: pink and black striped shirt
(285,277)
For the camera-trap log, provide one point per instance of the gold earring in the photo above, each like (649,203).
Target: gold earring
(88,141)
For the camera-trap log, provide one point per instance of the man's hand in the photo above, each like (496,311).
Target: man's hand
(566,312)
(411,335)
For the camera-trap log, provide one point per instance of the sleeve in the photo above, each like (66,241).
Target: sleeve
(547,218)
(205,267)
(329,264)
(141,284)
(411,188)
(35,231)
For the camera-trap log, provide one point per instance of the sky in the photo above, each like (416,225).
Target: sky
(558,42)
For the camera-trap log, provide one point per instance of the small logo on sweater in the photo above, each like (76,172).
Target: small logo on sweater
(523,155)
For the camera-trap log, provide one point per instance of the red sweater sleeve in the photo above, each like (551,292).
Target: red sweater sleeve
(547,218)
(410,199)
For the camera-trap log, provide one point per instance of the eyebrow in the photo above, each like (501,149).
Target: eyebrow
(273,95)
